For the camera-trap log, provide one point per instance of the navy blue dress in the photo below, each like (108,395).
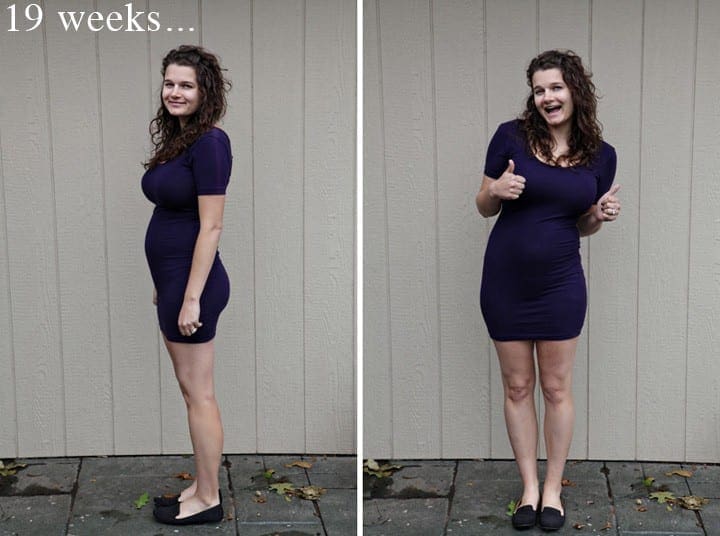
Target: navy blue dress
(533,286)
(174,187)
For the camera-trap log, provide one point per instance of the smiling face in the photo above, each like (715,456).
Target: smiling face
(552,98)
(181,94)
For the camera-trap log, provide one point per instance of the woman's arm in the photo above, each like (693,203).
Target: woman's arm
(606,209)
(492,191)
(487,204)
(211,209)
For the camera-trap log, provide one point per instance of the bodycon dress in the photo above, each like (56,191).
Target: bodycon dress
(533,286)
(174,187)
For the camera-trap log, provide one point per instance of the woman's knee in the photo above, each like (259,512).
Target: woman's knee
(556,390)
(519,389)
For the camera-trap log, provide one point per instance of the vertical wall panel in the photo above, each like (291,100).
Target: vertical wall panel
(82,263)
(278,125)
(702,430)
(377,354)
(329,224)
(511,43)
(8,432)
(227,29)
(613,262)
(32,247)
(664,212)
(125,112)
(458,32)
(412,219)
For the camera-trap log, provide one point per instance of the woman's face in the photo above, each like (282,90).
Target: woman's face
(181,94)
(552,97)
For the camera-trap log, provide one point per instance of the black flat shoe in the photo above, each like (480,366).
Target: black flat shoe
(167,514)
(169,500)
(551,518)
(524,517)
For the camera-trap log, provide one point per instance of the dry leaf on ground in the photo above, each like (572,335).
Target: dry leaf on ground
(567,482)
(184,476)
(680,472)
(692,502)
(299,463)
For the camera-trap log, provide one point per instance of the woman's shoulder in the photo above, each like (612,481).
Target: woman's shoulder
(606,152)
(211,140)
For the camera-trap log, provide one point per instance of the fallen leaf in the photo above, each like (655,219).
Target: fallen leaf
(566,482)
(607,526)
(10,468)
(647,482)
(282,488)
(304,465)
(142,500)
(662,496)
(269,474)
(259,497)
(680,472)
(692,502)
(638,501)
(511,507)
(309,493)
(578,526)
(641,508)
(372,465)
(184,476)
(373,468)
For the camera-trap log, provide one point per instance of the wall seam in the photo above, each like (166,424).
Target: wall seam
(103,179)
(51,158)
(640,167)
(254,234)
(387,222)
(304,222)
(589,275)
(485,220)
(690,227)
(433,90)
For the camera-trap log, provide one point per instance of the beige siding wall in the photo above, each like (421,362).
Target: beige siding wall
(440,75)
(84,370)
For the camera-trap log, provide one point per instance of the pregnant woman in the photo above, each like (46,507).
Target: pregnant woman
(549,175)
(186,179)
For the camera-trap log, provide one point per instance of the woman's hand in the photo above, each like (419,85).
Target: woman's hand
(608,206)
(189,318)
(508,186)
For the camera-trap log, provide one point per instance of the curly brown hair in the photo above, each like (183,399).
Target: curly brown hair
(168,137)
(585,131)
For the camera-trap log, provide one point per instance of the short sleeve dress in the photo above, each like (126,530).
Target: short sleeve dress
(533,286)
(174,186)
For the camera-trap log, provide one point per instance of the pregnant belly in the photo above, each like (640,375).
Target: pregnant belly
(171,235)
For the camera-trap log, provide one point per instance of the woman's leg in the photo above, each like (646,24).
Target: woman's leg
(193,364)
(555,361)
(517,365)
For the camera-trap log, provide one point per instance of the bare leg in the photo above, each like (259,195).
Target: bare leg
(193,364)
(518,372)
(556,360)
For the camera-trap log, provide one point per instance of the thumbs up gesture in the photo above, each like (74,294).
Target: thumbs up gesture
(509,186)
(608,206)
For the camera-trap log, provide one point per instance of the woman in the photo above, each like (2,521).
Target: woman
(549,175)
(186,178)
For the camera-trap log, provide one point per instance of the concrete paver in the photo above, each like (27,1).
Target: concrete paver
(44,515)
(427,479)
(404,517)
